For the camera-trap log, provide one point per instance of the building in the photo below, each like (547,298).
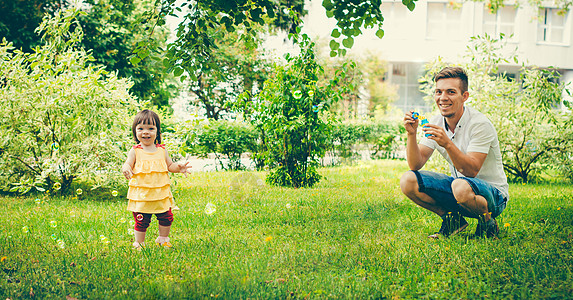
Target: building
(543,37)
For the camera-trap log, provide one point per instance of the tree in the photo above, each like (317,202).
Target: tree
(194,46)
(63,117)
(232,75)
(19,19)
(112,28)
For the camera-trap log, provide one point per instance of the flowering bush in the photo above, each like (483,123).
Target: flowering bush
(62,118)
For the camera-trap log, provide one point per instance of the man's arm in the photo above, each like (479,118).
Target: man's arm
(468,164)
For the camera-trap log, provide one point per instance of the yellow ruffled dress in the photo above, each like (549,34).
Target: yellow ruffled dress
(150,187)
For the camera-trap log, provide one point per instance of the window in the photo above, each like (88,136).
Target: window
(502,21)
(551,26)
(395,19)
(443,22)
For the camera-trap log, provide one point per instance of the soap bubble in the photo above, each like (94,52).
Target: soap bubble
(25,229)
(210,208)
(53,224)
(57,186)
(79,191)
(114,193)
(297,94)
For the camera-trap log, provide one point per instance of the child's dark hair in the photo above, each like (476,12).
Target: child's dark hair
(147,116)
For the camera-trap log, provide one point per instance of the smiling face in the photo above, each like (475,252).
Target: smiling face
(146,123)
(450,98)
(146,133)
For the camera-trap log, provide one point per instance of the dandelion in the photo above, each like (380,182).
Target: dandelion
(79,191)
(103,239)
(3,258)
(25,229)
(210,208)
(506,225)
(114,193)
(559,208)
(297,94)
(563,242)
(38,201)
(53,224)
(268,238)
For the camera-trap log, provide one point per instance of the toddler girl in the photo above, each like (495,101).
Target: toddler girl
(147,167)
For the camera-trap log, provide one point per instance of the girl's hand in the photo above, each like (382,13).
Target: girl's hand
(127,171)
(184,167)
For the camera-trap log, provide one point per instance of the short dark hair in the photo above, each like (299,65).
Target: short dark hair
(147,116)
(454,72)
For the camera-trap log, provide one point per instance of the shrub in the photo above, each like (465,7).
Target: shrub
(62,117)
(227,140)
(290,114)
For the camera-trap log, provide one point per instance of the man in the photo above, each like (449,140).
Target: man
(468,141)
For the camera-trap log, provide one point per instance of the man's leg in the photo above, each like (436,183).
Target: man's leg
(466,197)
(479,198)
(410,188)
(432,191)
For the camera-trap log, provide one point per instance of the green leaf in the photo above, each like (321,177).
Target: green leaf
(334,45)
(143,53)
(348,42)
(327,4)
(380,33)
(134,60)
(333,53)
(329,13)
(335,33)
(177,71)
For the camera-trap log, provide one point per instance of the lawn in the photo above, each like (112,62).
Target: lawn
(352,236)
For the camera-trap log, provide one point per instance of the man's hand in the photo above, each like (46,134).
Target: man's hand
(410,123)
(437,134)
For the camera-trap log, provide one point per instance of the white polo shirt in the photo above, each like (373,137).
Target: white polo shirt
(474,133)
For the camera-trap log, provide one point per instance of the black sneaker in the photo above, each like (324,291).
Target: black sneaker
(488,229)
(452,223)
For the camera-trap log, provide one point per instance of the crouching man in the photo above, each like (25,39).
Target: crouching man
(477,187)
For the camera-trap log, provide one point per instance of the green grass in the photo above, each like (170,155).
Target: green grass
(353,236)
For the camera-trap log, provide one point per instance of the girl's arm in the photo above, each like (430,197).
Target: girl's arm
(176,167)
(127,168)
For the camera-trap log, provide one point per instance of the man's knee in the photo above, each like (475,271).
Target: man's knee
(462,191)
(409,183)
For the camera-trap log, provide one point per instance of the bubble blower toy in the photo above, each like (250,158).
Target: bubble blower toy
(423,121)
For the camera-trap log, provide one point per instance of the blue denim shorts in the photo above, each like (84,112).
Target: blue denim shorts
(439,187)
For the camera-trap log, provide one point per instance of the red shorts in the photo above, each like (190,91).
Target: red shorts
(142,220)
